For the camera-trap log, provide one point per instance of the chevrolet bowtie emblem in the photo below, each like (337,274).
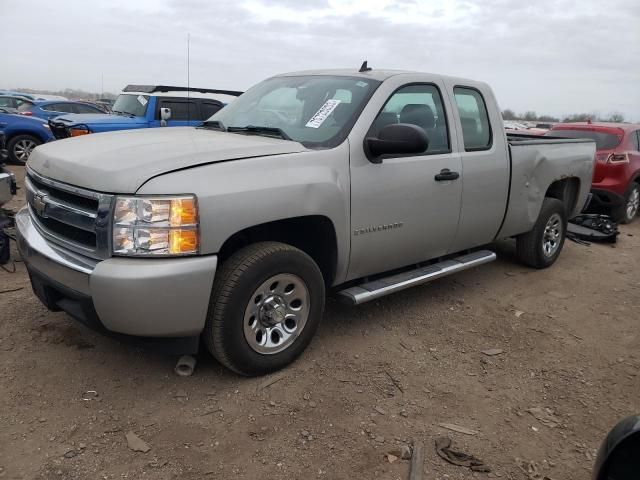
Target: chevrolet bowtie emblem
(39,204)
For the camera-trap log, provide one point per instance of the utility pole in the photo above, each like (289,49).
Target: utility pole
(188,77)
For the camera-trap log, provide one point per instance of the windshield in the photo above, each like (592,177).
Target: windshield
(317,111)
(604,141)
(135,105)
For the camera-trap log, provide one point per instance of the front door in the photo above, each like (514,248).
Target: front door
(401,213)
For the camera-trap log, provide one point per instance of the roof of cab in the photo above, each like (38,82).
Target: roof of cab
(380,75)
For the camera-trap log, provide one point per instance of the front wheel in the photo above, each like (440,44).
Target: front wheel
(20,147)
(628,211)
(541,247)
(266,305)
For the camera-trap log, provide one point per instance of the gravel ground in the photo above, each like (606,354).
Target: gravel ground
(375,377)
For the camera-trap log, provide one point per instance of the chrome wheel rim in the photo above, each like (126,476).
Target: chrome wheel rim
(552,235)
(276,314)
(23,148)
(633,203)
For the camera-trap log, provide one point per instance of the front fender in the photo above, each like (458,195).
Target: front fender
(238,194)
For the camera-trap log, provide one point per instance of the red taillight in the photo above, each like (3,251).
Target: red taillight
(618,158)
(28,114)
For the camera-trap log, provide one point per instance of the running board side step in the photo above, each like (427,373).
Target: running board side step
(384,286)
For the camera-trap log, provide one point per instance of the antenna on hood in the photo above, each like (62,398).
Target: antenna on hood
(364,67)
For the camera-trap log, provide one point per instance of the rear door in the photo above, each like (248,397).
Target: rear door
(485,165)
(400,213)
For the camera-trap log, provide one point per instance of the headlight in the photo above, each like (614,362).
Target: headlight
(79,130)
(156,226)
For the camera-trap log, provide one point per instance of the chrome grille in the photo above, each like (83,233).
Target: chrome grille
(72,217)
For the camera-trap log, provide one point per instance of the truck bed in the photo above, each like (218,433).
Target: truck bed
(537,162)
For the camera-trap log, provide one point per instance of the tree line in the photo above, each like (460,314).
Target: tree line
(532,116)
(69,93)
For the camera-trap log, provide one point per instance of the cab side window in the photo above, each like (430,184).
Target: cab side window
(419,105)
(54,107)
(78,108)
(180,109)
(476,129)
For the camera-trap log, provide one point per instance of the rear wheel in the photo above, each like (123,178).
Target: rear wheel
(20,147)
(541,247)
(628,211)
(266,305)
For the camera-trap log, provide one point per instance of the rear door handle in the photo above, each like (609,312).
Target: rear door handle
(446,174)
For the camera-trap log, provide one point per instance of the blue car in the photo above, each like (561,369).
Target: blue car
(12,101)
(148,106)
(47,109)
(22,135)
(29,96)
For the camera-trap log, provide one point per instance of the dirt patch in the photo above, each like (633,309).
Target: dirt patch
(374,378)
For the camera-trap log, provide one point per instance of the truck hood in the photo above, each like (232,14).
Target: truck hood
(99,119)
(121,162)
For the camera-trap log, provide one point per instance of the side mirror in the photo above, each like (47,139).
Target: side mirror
(618,457)
(165,114)
(396,139)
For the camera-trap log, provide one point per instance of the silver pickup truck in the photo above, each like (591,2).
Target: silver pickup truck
(361,183)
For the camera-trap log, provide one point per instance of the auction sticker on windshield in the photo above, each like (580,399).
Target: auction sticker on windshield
(143,101)
(321,115)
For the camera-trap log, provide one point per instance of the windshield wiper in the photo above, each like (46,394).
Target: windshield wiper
(258,130)
(118,112)
(217,124)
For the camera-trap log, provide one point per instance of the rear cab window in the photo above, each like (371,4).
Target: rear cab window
(474,119)
(420,105)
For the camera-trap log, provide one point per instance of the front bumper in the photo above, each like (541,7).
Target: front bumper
(142,297)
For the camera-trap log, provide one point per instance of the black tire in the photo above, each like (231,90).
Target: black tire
(530,247)
(626,213)
(234,287)
(14,145)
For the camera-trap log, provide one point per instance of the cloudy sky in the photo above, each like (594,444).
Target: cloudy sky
(551,56)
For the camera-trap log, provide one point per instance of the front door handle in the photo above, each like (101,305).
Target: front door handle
(446,174)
